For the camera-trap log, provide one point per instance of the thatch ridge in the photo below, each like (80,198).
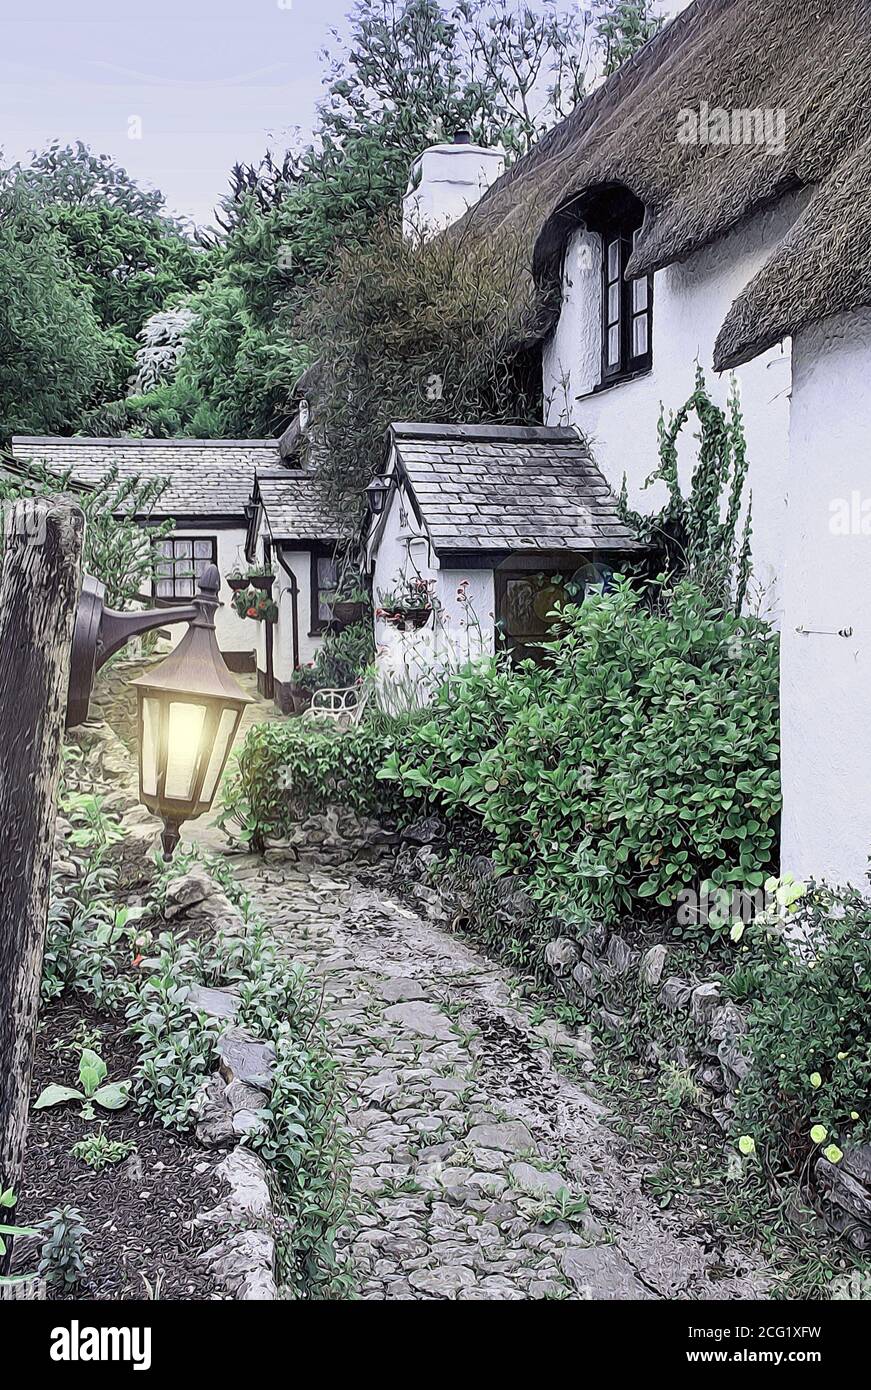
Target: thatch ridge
(811,60)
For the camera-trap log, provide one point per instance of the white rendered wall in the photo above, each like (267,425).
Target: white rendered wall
(690,303)
(826,680)
(446,180)
(460,632)
(233,635)
(299,562)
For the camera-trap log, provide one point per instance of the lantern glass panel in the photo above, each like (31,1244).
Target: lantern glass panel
(223,738)
(150,744)
(184,736)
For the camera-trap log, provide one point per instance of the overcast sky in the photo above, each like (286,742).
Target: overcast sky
(175,90)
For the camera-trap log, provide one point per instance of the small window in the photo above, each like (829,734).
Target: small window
(627,342)
(180,562)
(324,580)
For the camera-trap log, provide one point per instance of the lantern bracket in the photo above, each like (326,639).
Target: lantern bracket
(100,632)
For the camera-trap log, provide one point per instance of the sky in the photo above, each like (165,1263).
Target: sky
(174,90)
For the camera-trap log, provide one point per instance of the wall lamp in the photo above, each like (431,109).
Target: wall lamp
(376,494)
(189,706)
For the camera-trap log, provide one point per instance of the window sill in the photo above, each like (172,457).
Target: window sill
(604,386)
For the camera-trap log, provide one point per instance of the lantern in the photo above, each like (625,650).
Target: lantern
(189,711)
(376,495)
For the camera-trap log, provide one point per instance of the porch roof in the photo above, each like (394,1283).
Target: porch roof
(509,487)
(294,508)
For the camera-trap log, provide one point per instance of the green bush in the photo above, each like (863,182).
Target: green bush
(641,760)
(809,994)
(288,770)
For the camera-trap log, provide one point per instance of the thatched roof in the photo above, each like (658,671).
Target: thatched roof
(809,58)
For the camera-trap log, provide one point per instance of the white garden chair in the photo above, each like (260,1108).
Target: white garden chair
(344,706)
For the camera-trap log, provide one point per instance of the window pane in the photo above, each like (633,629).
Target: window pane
(203,550)
(614,260)
(164,588)
(183,549)
(164,547)
(613,303)
(639,294)
(326,572)
(639,335)
(613,347)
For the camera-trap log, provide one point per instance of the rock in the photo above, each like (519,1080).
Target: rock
(215,1003)
(247,1122)
(424,832)
(243,1058)
(595,941)
(712,1077)
(727,1023)
(614,1023)
(619,956)
(842,1188)
(400,989)
(538,1183)
(704,1002)
(241,1097)
(561,955)
(244,1265)
(188,891)
(652,966)
(511,1136)
(214,1128)
(675,994)
(422,1019)
(557,1036)
(447,1282)
(602,1272)
(728,1027)
(585,980)
(248,1198)
(857,1162)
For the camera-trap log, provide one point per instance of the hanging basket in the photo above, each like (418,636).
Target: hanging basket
(414,618)
(237,583)
(346,612)
(261,581)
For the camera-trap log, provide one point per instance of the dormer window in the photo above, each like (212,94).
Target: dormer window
(627,305)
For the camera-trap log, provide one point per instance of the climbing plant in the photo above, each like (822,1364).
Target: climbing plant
(701,533)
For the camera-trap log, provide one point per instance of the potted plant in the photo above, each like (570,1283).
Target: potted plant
(261,577)
(249,603)
(410,605)
(349,603)
(243,599)
(304,681)
(237,580)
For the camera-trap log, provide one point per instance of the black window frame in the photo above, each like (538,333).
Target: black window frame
(319,625)
(621,234)
(176,597)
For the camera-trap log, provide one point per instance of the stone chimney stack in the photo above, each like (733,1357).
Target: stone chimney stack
(445,181)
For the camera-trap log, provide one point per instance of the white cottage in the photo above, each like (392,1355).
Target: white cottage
(208,487)
(711,202)
(496,521)
(294,534)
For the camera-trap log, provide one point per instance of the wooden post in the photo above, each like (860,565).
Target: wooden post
(38,597)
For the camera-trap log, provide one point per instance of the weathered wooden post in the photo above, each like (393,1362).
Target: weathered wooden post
(38,596)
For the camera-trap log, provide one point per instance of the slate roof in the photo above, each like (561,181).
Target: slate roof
(294,508)
(508,487)
(205,477)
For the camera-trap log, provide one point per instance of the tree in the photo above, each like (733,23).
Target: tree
(76,177)
(55,357)
(623,27)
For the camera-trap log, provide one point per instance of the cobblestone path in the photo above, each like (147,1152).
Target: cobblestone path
(482,1172)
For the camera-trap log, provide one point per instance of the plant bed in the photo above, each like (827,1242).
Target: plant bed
(140,1211)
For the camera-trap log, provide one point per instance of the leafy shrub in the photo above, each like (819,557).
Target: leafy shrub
(643,758)
(345,655)
(286,771)
(809,994)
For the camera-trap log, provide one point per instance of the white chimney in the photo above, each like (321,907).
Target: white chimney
(445,181)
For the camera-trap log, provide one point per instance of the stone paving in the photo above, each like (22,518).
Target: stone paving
(481,1171)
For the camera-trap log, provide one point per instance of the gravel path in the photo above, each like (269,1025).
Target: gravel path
(481,1171)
